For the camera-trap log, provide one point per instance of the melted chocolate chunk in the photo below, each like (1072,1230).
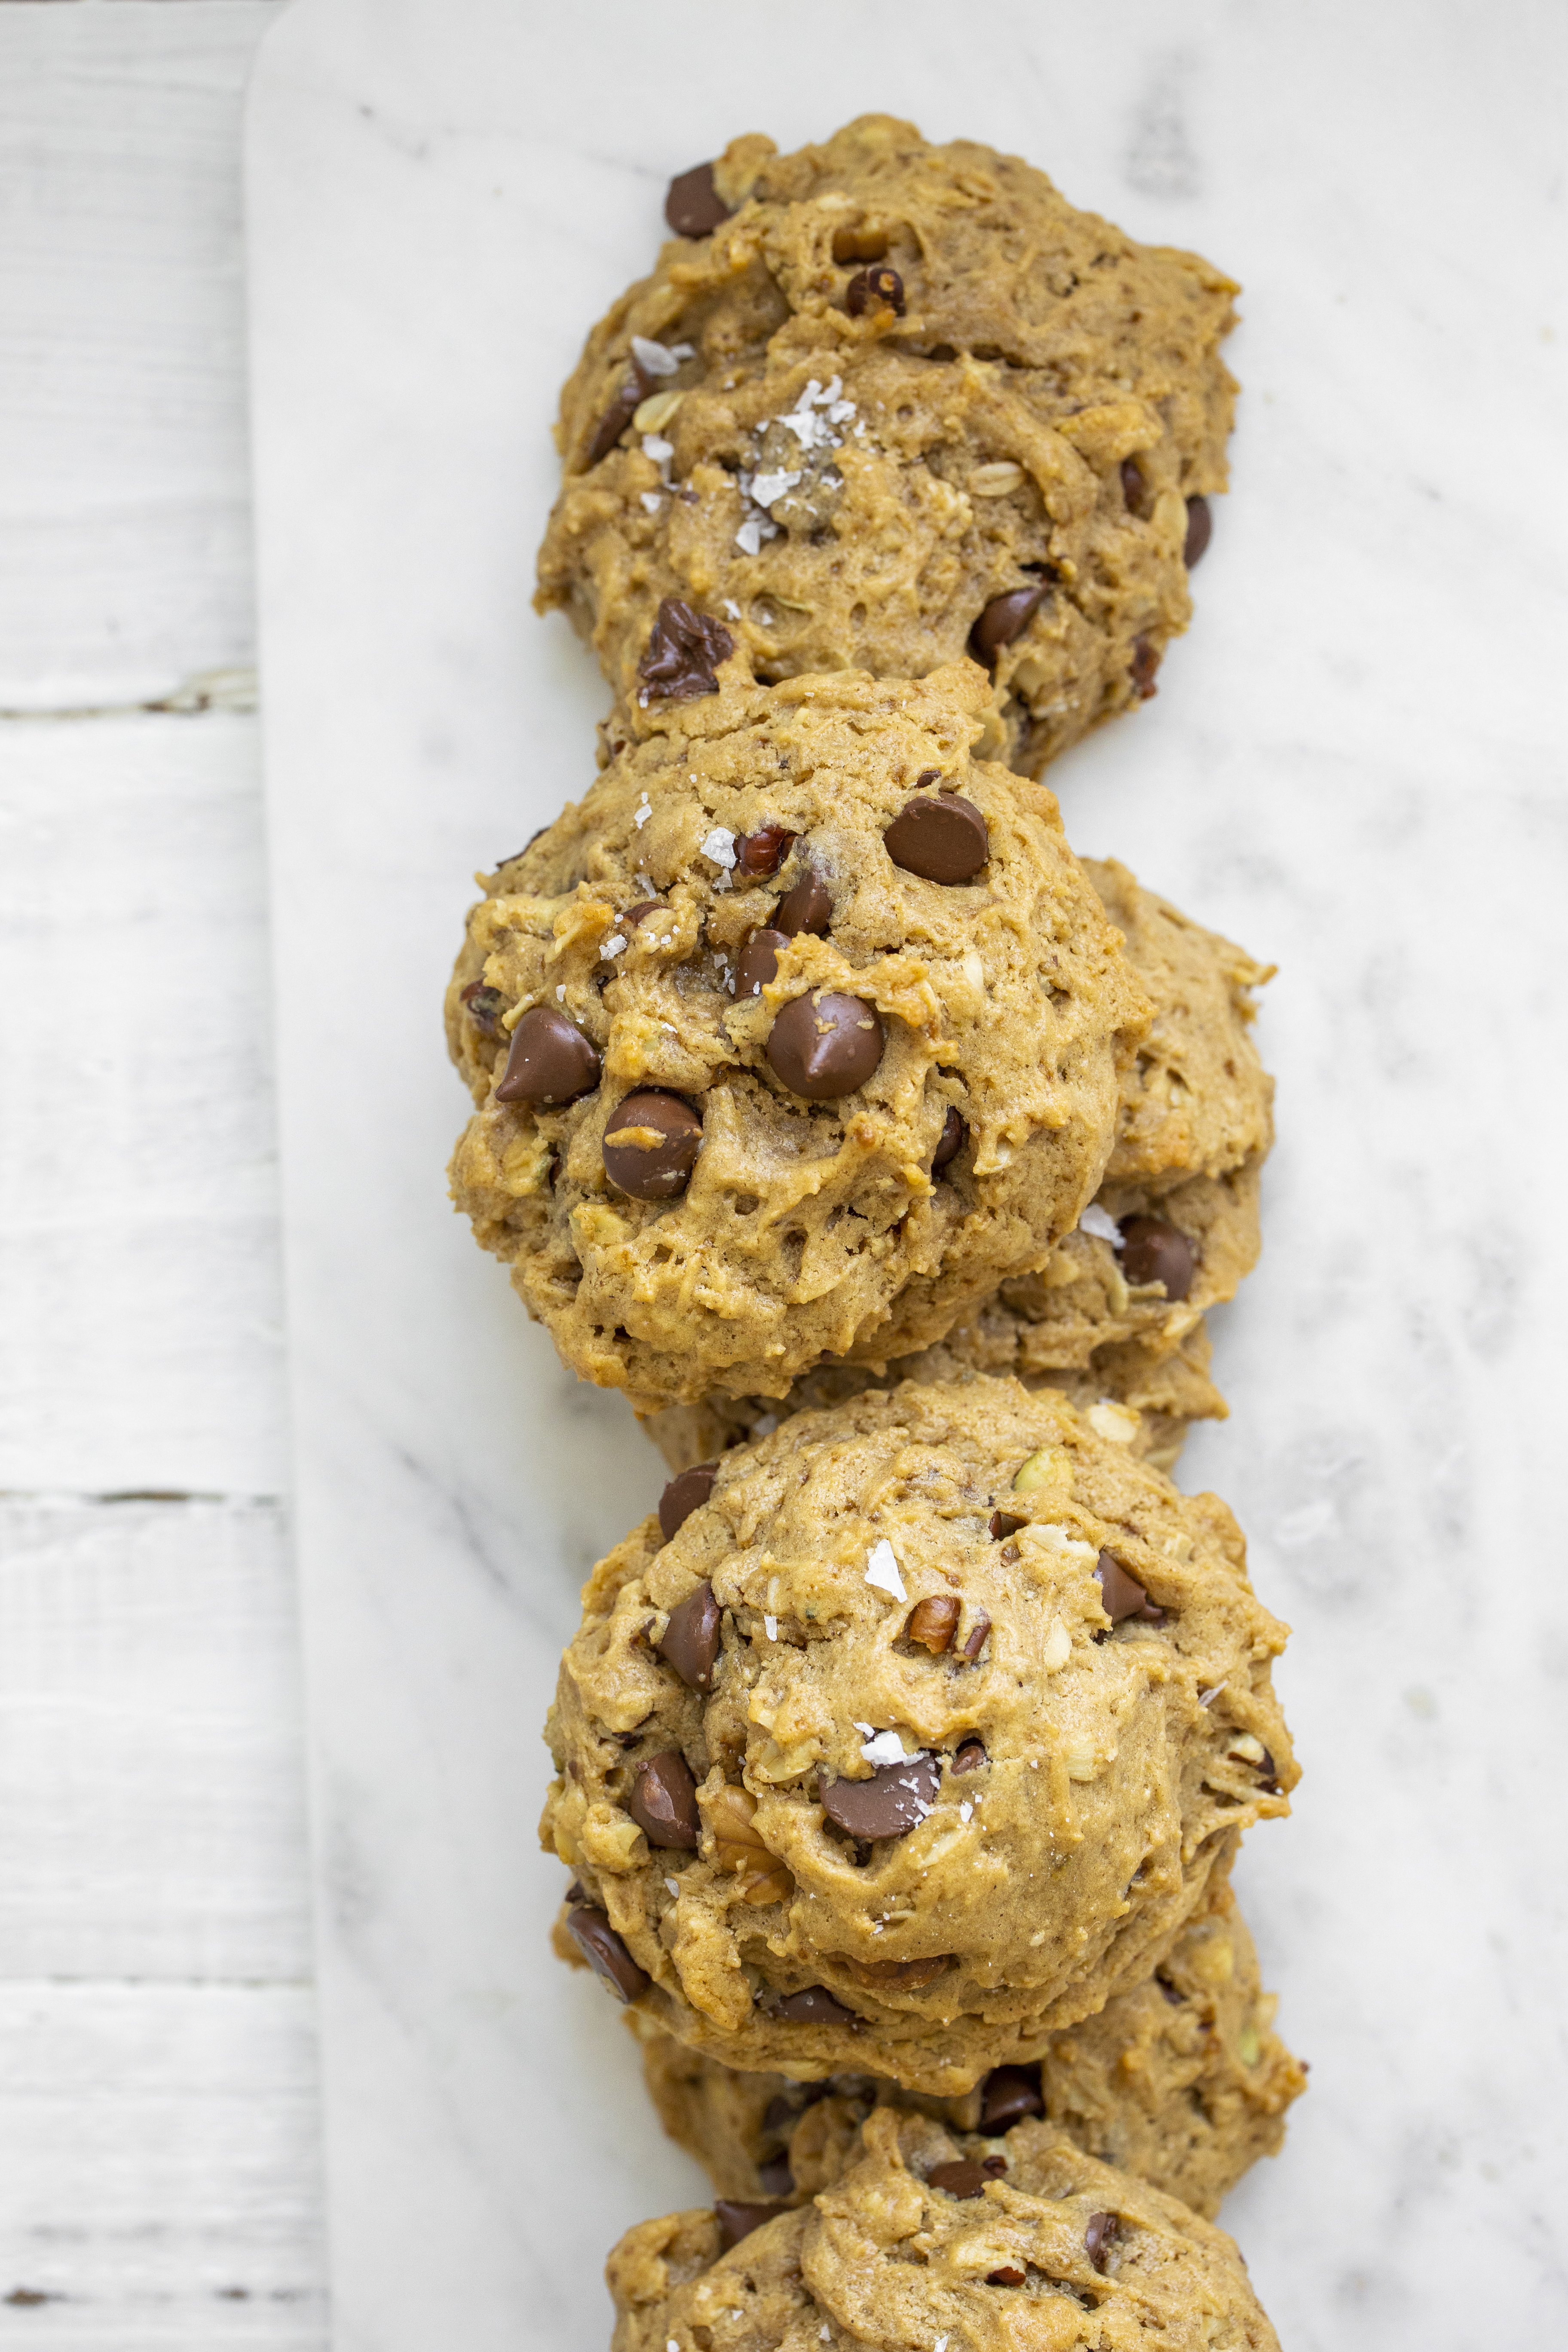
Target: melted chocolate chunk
(690,1642)
(635,915)
(974,1640)
(663,1802)
(1005,618)
(963,2178)
(950,1141)
(825,1045)
(606,1954)
(759,854)
(889,1804)
(877,287)
(814,2005)
(1007,2094)
(684,649)
(1133,492)
(633,391)
(1099,2235)
(1154,1250)
(942,838)
(651,1145)
(806,908)
(758,961)
(1003,1524)
(693,206)
(486,1006)
(1200,530)
(1008,2275)
(1145,662)
(551,1060)
(682,1495)
(737,2219)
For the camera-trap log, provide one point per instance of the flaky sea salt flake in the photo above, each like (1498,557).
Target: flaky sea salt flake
(1103,1227)
(883,1570)
(720,846)
(653,358)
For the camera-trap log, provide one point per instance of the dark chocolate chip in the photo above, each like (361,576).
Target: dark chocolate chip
(1267,1771)
(1121,1595)
(632,392)
(1003,1524)
(974,1640)
(995,2165)
(1154,1250)
(693,206)
(776,2177)
(928,776)
(1007,2094)
(879,286)
(814,2005)
(1005,618)
(633,915)
(1101,2234)
(963,2178)
(889,1804)
(737,2219)
(682,1495)
(691,1640)
(551,1060)
(1133,490)
(758,961)
(486,1006)
(825,1045)
(806,908)
(971,1757)
(943,838)
(684,648)
(1008,2275)
(1200,530)
(651,1145)
(950,1141)
(663,1802)
(759,854)
(606,1954)
(933,1623)
(1145,662)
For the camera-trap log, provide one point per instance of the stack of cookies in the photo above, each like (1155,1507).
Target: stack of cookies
(888,1158)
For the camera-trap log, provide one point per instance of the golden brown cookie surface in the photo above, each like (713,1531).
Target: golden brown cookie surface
(905,401)
(963,1706)
(1018,2243)
(805,1029)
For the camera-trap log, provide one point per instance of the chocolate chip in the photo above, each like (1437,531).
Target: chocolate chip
(485,1005)
(606,1954)
(776,2177)
(574,1891)
(971,1757)
(962,2178)
(1145,662)
(663,1802)
(1200,530)
(1005,618)
(878,286)
(889,1804)
(1008,2275)
(651,1145)
(691,1640)
(975,1640)
(783,2110)
(950,1141)
(1121,1595)
(632,392)
(759,854)
(1152,1250)
(1101,2234)
(1170,1991)
(933,1623)
(682,1495)
(942,839)
(758,961)
(693,206)
(825,1045)
(1007,2094)
(684,648)
(806,908)
(1002,1525)
(928,776)
(1133,491)
(737,2220)
(814,2005)
(1267,1771)
(995,2165)
(633,915)
(551,1060)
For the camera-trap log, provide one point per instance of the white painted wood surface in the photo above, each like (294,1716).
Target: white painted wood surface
(159,2172)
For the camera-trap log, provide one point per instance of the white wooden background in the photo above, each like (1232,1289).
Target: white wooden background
(159,2175)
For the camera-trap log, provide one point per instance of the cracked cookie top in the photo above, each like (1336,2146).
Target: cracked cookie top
(901,401)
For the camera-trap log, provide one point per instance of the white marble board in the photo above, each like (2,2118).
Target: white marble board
(1352,765)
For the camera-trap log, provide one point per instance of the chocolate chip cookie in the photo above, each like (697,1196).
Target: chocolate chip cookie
(1014,2242)
(909,1736)
(892,402)
(803,1033)
(1115,1318)
(1181,2080)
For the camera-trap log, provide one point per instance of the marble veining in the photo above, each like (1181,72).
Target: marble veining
(1352,766)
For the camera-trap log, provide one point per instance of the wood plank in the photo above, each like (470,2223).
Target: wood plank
(138,1219)
(151,1822)
(124,498)
(159,2168)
